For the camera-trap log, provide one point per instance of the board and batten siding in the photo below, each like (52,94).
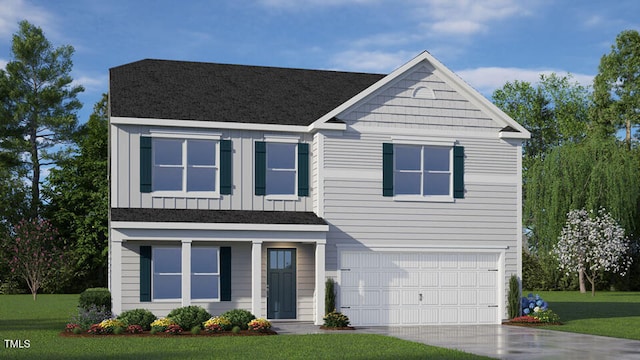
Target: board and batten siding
(126,175)
(420,105)
(240,279)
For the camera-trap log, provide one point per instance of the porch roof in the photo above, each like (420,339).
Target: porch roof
(216,216)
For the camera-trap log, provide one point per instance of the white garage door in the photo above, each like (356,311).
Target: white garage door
(419,288)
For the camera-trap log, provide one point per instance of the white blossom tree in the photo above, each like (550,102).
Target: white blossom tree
(592,244)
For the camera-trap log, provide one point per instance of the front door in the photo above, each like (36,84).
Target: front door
(281,283)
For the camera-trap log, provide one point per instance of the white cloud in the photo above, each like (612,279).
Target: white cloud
(488,79)
(3,63)
(92,84)
(370,61)
(13,11)
(466,17)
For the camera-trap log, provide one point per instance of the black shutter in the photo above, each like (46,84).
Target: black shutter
(303,169)
(145,164)
(225,273)
(225,167)
(458,172)
(387,169)
(145,273)
(260,168)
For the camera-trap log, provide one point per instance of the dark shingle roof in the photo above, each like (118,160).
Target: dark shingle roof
(182,90)
(216,216)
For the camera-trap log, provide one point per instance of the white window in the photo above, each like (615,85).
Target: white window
(205,273)
(167,273)
(423,170)
(281,177)
(185,165)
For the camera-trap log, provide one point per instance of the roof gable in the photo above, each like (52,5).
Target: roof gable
(179,90)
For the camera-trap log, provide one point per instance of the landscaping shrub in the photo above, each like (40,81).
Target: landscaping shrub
(329,296)
(531,304)
(95,296)
(160,325)
(514,297)
(196,330)
(110,325)
(238,317)
(142,317)
(91,315)
(236,330)
(134,329)
(336,319)
(546,316)
(189,316)
(174,329)
(259,325)
(217,324)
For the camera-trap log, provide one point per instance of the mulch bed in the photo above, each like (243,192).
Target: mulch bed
(186,333)
(523,324)
(337,328)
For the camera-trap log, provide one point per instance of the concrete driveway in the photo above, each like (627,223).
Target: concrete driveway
(498,341)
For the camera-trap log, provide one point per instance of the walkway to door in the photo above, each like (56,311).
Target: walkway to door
(498,341)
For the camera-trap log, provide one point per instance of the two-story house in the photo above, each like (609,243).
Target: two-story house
(247,187)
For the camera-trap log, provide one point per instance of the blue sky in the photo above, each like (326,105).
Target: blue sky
(487,42)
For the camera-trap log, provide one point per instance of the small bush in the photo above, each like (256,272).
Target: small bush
(217,324)
(161,325)
(95,296)
(238,317)
(134,329)
(546,316)
(77,331)
(259,325)
(236,330)
(118,330)
(329,296)
(514,297)
(336,320)
(142,317)
(91,315)
(196,330)
(189,316)
(174,329)
(109,325)
(71,327)
(96,329)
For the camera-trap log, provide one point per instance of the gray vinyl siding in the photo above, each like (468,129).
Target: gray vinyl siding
(359,215)
(128,194)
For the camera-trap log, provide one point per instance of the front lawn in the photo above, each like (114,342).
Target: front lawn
(42,321)
(615,314)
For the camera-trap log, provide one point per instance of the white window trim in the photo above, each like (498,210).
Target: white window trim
(288,140)
(421,197)
(185,134)
(218,274)
(184,193)
(153,272)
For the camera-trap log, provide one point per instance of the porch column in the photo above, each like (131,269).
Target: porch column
(320,279)
(115,275)
(256,278)
(186,272)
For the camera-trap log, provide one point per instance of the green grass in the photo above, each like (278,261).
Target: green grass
(42,321)
(614,314)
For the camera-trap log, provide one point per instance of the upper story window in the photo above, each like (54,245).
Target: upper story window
(281,169)
(422,170)
(433,172)
(185,165)
(198,166)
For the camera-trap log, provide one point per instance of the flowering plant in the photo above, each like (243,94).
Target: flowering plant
(109,325)
(259,325)
(526,319)
(546,316)
(533,304)
(217,324)
(174,329)
(161,324)
(71,327)
(134,329)
(96,329)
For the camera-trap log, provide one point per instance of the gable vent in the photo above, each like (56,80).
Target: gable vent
(423,92)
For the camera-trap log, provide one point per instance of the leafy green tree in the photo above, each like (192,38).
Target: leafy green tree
(555,112)
(617,85)
(38,103)
(77,197)
(592,174)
